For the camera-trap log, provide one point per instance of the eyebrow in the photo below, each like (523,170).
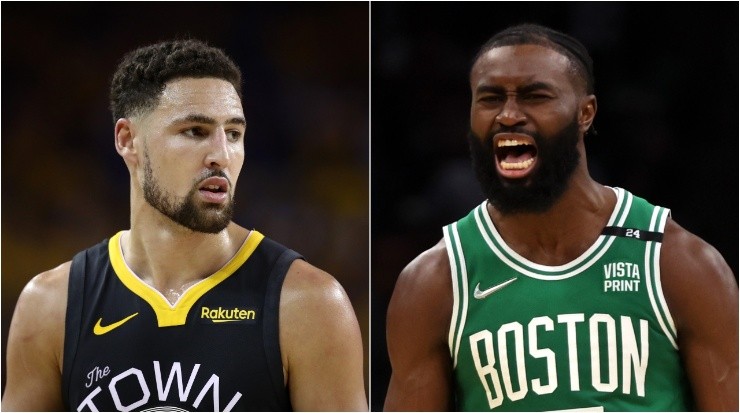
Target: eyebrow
(531,87)
(199,118)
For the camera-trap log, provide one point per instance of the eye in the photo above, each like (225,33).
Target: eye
(234,135)
(195,132)
(537,97)
(491,98)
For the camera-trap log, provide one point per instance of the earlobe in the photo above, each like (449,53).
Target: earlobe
(124,140)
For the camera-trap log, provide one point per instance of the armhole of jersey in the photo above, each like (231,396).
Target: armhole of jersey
(455,299)
(459,289)
(655,290)
(272,325)
(73,320)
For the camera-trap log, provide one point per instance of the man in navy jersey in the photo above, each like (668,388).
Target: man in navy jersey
(186,310)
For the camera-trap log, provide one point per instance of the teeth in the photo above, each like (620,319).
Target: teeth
(214,187)
(510,142)
(517,165)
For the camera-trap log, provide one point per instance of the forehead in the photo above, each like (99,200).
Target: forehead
(208,96)
(518,64)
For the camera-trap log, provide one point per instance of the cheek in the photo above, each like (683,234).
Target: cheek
(171,173)
(236,162)
(171,177)
(481,120)
(554,121)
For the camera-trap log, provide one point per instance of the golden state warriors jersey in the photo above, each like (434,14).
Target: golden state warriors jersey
(216,349)
(594,334)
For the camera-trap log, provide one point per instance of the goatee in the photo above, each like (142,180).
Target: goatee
(207,218)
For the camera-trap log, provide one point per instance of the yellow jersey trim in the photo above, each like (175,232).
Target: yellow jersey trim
(175,315)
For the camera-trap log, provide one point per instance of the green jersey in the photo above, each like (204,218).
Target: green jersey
(592,334)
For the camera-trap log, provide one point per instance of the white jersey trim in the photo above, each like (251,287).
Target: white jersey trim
(539,271)
(455,290)
(658,284)
(452,240)
(652,261)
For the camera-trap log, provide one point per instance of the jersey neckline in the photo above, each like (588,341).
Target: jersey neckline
(176,314)
(547,272)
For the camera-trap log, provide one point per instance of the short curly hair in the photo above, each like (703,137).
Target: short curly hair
(142,75)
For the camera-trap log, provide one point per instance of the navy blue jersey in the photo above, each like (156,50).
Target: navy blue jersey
(216,349)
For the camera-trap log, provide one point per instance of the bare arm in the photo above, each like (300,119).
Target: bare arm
(702,294)
(418,321)
(321,343)
(35,345)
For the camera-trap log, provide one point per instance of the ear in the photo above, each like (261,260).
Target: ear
(124,139)
(587,113)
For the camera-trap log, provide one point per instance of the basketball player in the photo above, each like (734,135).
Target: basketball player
(558,292)
(186,310)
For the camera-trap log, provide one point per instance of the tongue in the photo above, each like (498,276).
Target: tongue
(513,158)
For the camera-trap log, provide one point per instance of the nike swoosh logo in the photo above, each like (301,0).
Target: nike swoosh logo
(478,294)
(99,330)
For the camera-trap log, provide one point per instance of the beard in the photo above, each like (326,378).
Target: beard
(208,218)
(557,158)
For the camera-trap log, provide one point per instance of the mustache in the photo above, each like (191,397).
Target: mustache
(210,173)
(510,129)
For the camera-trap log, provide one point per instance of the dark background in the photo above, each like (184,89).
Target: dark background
(667,120)
(666,82)
(306,99)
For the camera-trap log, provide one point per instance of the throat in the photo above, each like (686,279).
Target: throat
(172,296)
(173,293)
(552,254)
(556,237)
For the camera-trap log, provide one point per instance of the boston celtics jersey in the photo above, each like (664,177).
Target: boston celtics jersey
(216,349)
(592,334)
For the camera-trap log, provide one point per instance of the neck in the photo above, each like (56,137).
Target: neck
(170,257)
(562,233)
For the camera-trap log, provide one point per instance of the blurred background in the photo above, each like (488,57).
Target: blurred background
(305,178)
(667,121)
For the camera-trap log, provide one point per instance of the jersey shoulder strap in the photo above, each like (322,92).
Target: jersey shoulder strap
(75,304)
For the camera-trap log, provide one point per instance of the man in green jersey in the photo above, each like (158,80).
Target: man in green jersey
(558,292)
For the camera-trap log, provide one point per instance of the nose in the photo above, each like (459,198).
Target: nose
(218,155)
(510,114)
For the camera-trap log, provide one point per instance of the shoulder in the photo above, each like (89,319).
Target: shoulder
(432,263)
(46,293)
(417,327)
(36,342)
(306,284)
(427,275)
(38,320)
(702,295)
(313,300)
(424,287)
(320,342)
(694,276)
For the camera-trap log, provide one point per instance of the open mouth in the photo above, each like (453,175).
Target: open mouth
(214,184)
(214,189)
(515,155)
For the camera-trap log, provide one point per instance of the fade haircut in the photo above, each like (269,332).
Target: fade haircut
(562,43)
(142,75)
